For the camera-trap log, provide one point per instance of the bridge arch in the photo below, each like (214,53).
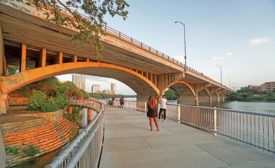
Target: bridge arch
(180,82)
(140,84)
(204,96)
(185,92)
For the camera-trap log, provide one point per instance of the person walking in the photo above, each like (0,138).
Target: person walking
(162,111)
(121,101)
(152,112)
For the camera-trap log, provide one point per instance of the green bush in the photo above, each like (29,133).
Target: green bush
(31,150)
(37,100)
(12,150)
(75,116)
(40,102)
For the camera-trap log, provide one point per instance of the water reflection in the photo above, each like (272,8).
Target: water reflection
(260,107)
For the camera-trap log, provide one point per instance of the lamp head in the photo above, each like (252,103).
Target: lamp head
(176,21)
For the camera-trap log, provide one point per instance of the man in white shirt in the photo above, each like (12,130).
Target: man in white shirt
(162,102)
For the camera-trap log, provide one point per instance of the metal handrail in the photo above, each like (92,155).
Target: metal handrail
(254,128)
(71,155)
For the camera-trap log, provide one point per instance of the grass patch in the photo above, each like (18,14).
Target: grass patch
(31,150)
(12,150)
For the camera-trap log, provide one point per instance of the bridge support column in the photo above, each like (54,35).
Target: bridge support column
(2,151)
(2,53)
(218,99)
(197,102)
(141,102)
(4,103)
(210,100)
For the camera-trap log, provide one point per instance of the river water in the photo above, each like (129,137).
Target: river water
(260,107)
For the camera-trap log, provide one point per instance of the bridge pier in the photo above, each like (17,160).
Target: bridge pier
(4,103)
(2,54)
(205,99)
(141,102)
(216,98)
(188,100)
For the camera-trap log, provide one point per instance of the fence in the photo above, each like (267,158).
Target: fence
(257,129)
(84,151)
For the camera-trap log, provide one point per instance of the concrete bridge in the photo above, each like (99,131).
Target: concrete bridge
(41,49)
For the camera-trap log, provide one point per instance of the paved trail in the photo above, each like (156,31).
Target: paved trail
(130,144)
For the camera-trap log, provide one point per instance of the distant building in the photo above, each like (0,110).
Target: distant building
(107,91)
(254,88)
(96,89)
(79,81)
(113,88)
(268,86)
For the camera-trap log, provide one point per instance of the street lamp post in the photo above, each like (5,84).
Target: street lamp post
(183,24)
(220,71)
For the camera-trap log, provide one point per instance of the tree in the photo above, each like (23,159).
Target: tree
(170,94)
(90,24)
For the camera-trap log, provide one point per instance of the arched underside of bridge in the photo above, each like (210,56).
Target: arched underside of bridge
(140,84)
(204,96)
(184,91)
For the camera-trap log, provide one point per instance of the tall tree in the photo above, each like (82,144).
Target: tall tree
(85,15)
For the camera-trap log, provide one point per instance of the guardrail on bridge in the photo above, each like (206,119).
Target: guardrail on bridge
(257,129)
(85,150)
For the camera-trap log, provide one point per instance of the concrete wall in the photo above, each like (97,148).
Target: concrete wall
(187,100)
(2,152)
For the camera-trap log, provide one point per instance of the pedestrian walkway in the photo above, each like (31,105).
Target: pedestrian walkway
(129,143)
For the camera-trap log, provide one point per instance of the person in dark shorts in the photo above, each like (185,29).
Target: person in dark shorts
(121,101)
(162,111)
(152,113)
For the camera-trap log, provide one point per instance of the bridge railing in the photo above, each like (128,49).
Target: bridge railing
(85,149)
(27,8)
(95,105)
(130,104)
(257,129)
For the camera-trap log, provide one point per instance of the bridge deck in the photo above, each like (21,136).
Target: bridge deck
(130,143)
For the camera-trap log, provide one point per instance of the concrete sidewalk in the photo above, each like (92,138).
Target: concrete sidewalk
(130,144)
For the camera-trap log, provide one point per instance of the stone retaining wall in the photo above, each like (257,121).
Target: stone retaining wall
(51,116)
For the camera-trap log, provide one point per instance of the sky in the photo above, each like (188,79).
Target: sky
(236,36)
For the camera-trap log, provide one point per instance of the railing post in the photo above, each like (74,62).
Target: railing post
(178,109)
(145,107)
(215,121)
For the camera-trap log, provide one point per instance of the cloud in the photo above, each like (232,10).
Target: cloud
(257,41)
(228,53)
(222,56)
(97,78)
(217,57)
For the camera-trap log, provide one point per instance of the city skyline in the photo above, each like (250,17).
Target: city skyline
(236,35)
